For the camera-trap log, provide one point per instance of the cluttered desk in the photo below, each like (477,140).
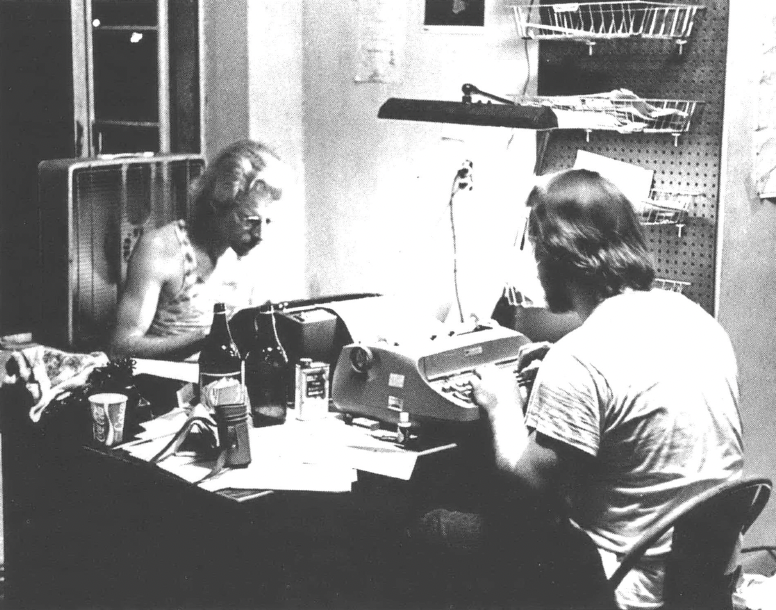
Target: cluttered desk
(314,516)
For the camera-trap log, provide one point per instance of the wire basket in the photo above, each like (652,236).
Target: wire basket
(620,110)
(670,285)
(667,207)
(592,21)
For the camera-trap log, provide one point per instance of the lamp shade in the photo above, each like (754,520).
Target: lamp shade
(467,113)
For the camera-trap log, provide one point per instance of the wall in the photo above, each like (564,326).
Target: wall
(375,215)
(746,264)
(225,106)
(253,89)
(378,190)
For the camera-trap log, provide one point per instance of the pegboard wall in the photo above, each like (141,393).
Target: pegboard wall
(655,69)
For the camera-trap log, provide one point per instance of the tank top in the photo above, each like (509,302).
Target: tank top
(191,307)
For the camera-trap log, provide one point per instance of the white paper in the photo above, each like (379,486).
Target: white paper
(336,442)
(283,475)
(319,455)
(381,32)
(384,318)
(146,449)
(182,371)
(633,180)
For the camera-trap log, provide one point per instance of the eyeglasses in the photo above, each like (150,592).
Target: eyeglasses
(524,236)
(251,220)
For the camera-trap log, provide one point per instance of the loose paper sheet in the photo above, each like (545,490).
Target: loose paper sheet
(633,180)
(182,371)
(381,32)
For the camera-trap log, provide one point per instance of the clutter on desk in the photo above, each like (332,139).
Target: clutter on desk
(311,389)
(231,415)
(323,454)
(108,411)
(48,372)
(267,371)
(219,358)
(61,383)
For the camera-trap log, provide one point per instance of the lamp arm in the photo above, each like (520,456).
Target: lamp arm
(469,89)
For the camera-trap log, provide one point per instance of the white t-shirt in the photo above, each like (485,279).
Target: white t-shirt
(648,386)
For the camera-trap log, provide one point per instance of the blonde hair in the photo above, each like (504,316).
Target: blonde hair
(236,171)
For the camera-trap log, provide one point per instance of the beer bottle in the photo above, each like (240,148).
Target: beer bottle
(266,372)
(220,363)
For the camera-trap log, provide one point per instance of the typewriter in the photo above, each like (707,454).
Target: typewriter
(428,378)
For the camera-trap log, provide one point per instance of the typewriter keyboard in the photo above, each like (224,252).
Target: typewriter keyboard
(457,387)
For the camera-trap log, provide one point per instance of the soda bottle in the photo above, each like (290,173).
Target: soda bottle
(266,372)
(220,365)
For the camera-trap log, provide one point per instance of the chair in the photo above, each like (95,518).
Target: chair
(699,569)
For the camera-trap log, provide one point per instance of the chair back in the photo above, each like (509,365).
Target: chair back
(701,570)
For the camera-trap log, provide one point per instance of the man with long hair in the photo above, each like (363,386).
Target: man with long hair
(630,411)
(177,272)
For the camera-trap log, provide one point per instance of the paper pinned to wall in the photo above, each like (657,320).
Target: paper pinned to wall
(633,180)
(765,129)
(381,32)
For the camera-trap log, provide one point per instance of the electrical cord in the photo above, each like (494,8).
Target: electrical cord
(455,248)
(527,60)
(461,181)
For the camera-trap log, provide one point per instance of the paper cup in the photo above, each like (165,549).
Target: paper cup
(108,413)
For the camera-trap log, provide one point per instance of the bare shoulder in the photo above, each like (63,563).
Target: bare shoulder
(159,250)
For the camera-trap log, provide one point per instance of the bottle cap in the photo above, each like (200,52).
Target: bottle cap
(267,307)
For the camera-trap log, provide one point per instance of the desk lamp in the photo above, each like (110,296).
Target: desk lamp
(466,112)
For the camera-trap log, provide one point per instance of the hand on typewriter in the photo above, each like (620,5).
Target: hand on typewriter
(531,354)
(529,357)
(496,389)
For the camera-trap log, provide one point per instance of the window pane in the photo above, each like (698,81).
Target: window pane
(127,138)
(124,12)
(125,75)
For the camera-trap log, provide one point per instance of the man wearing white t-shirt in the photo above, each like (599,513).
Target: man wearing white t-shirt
(630,412)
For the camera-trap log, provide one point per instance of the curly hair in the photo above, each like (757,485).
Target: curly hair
(583,228)
(235,172)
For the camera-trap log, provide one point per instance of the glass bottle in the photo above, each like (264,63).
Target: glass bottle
(220,362)
(266,372)
(403,429)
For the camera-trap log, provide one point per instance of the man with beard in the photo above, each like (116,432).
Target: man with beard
(631,411)
(178,271)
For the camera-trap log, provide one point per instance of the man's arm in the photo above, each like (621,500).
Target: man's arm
(150,267)
(537,462)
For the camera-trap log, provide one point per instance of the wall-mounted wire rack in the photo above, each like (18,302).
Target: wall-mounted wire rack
(590,22)
(620,111)
(665,207)
(564,68)
(670,285)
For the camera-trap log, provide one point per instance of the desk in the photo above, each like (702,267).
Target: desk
(89,528)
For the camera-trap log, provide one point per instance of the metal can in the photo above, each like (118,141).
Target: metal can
(311,400)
